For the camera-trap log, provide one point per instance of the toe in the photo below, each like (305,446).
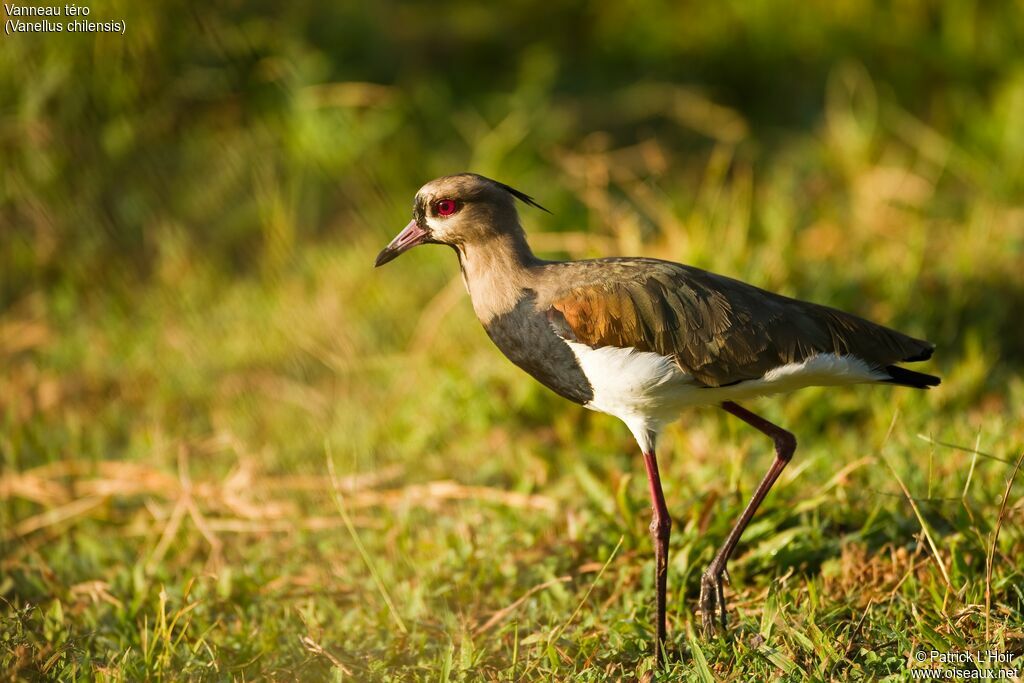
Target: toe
(709,599)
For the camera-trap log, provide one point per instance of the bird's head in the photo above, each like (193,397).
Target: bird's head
(459,210)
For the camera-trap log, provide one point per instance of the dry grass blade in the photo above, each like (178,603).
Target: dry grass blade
(193,510)
(990,560)
(450,490)
(500,615)
(167,537)
(840,477)
(965,449)
(432,493)
(924,526)
(970,472)
(36,489)
(378,581)
(349,484)
(54,516)
(318,649)
(558,630)
(256,502)
(234,525)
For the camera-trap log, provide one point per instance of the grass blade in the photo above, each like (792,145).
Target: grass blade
(339,502)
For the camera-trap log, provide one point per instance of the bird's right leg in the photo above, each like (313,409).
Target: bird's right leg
(712,595)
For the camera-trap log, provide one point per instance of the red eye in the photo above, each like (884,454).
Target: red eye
(446,207)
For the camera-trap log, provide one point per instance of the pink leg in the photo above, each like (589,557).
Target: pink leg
(712,595)
(661,529)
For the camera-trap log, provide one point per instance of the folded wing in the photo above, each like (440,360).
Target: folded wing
(716,329)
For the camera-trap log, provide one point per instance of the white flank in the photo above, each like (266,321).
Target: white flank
(631,385)
(647,390)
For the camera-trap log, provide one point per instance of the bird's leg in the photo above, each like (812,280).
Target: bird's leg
(712,595)
(661,529)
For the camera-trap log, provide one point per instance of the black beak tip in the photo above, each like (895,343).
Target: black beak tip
(383,257)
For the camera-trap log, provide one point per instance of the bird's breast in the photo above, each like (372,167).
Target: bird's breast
(526,337)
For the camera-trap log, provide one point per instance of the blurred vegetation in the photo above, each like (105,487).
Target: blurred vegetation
(190,328)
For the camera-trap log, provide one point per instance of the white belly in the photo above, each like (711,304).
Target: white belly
(647,390)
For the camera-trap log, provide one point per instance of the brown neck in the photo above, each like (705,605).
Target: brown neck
(496,271)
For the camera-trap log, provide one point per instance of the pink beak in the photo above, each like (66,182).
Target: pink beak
(410,236)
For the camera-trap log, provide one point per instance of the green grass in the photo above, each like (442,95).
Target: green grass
(231,450)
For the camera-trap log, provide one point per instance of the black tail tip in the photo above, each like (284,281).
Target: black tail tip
(909,378)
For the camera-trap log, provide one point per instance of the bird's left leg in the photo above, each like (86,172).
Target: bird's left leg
(712,595)
(661,529)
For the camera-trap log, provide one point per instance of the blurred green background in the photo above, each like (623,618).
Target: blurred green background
(190,329)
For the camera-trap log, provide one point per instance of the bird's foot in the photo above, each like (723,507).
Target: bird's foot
(712,598)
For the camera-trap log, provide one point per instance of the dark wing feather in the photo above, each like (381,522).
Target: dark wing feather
(720,331)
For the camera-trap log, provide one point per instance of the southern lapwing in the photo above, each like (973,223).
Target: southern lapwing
(641,339)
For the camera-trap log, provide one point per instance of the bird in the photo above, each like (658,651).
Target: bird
(643,339)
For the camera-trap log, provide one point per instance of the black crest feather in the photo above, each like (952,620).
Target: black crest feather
(521,196)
